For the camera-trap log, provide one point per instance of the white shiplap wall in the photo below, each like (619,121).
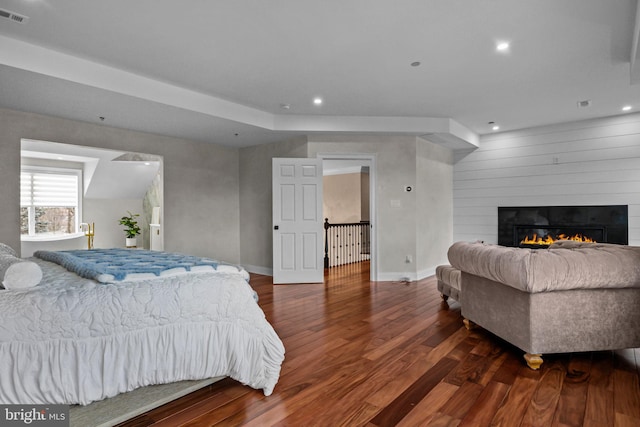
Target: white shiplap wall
(594,162)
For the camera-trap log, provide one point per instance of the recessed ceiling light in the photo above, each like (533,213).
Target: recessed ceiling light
(502,46)
(317,101)
(626,108)
(285,106)
(495,127)
(415,64)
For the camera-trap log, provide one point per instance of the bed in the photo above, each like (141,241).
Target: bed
(70,339)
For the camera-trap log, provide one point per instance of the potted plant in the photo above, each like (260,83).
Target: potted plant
(131,229)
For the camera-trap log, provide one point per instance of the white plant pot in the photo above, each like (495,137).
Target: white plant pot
(130,242)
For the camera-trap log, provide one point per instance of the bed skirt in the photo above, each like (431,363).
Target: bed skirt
(68,371)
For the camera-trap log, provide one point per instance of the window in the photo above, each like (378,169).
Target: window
(49,202)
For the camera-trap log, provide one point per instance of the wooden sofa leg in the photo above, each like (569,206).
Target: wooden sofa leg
(469,324)
(533,360)
(444,297)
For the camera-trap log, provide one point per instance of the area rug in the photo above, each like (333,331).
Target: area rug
(109,412)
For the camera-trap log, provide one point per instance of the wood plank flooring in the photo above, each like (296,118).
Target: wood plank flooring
(363,353)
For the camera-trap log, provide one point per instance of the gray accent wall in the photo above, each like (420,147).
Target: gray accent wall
(395,223)
(434,213)
(411,223)
(201,183)
(217,200)
(342,198)
(256,211)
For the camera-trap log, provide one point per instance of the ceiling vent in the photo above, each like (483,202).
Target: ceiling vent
(12,16)
(584,104)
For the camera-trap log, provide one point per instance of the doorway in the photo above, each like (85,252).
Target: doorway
(335,164)
(113,182)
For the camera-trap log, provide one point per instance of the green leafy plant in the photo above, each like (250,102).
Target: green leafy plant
(131,225)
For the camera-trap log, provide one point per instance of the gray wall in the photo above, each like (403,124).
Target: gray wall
(201,184)
(342,198)
(217,200)
(593,162)
(401,224)
(256,201)
(434,220)
(364,195)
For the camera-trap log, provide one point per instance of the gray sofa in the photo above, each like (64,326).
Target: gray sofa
(571,297)
(448,282)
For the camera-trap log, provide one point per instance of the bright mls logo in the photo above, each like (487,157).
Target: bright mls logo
(34,415)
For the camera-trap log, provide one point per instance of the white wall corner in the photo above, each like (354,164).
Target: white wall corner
(454,136)
(427,272)
(265,271)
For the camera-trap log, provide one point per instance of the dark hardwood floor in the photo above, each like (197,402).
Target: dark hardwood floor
(363,353)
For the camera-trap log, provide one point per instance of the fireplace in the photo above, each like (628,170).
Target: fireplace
(539,226)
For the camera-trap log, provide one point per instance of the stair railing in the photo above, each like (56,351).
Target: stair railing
(346,243)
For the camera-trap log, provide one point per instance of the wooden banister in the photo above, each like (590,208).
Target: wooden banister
(346,243)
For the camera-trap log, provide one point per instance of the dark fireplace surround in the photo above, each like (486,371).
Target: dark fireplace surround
(603,224)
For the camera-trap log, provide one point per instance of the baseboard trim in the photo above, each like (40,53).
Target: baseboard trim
(382,277)
(400,276)
(265,271)
(427,272)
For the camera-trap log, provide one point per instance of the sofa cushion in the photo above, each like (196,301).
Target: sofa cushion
(449,275)
(560,267)
(448,281)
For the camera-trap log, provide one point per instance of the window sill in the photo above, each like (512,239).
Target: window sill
(51,238)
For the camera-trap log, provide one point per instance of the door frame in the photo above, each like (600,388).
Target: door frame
(369,158)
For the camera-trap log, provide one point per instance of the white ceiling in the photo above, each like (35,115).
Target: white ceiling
(219,71)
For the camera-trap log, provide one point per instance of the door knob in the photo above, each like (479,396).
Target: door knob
(276,227)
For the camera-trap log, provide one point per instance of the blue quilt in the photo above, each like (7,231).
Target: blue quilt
(108,265)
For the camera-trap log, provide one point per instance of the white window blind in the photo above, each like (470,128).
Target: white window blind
(48,189)
(49,201)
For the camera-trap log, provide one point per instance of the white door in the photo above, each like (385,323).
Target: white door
(297,221)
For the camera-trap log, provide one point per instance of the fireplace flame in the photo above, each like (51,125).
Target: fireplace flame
(548,239)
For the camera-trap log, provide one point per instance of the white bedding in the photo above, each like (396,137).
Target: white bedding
(71,340)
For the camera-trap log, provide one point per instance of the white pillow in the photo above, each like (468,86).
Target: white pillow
(16,273)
